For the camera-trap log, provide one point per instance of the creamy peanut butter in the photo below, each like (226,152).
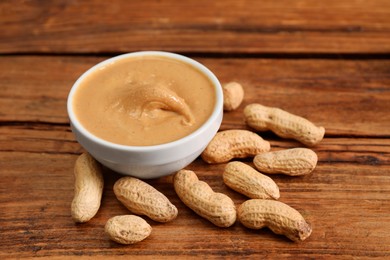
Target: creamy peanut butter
(146,100)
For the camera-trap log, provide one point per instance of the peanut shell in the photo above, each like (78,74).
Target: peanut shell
(216,207)
(143,199)
(293,162)
(282,123)
(127,229)
(230,144)
(277,216)
(249,182)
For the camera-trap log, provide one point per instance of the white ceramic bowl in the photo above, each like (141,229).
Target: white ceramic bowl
(148,162)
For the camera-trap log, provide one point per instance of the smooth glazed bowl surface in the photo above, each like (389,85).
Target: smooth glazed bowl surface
(148,162)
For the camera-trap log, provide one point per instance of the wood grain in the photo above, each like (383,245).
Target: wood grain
(42,138)
(347,97)
(348,190)
(347,204)
(305,26)
(327,61)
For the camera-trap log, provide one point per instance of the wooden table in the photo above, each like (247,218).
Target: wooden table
(328,61)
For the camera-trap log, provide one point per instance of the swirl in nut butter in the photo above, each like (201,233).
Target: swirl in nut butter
(146,101)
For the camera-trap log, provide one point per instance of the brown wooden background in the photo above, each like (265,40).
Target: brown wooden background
(328,61)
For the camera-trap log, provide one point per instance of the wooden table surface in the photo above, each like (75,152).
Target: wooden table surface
(328,61)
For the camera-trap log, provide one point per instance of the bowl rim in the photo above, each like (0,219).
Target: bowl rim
(218,106)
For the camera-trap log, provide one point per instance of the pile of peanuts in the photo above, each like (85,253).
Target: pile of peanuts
(261,209)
